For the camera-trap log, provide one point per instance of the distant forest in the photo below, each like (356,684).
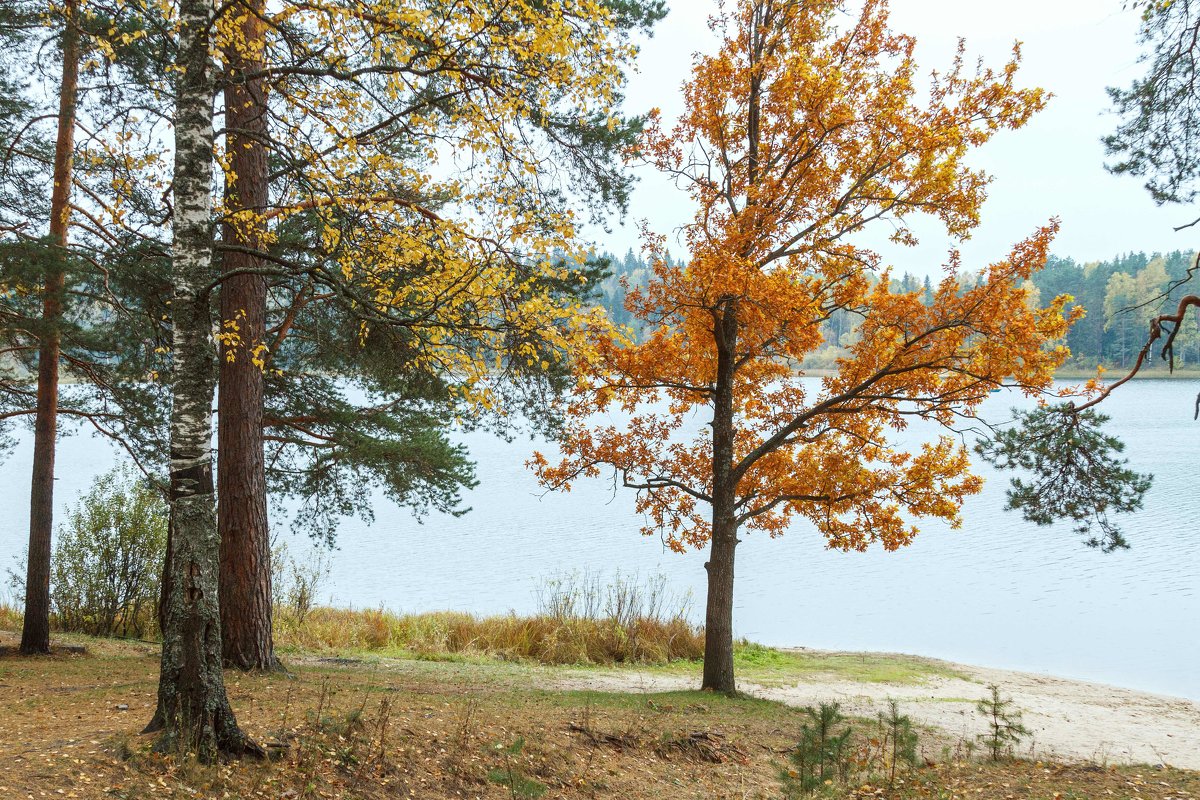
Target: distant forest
(1113,293)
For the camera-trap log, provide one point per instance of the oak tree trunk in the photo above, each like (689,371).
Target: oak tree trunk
(245,577)
(193,714)
(718,614)
(35,631)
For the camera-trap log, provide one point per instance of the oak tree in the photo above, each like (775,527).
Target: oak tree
(805,129)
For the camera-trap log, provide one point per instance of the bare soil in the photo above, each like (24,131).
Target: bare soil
(391,728)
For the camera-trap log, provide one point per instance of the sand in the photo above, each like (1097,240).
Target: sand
(1072,720)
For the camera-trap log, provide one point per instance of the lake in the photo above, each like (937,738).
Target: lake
(998,592)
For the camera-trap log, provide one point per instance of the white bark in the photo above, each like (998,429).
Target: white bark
(193,713)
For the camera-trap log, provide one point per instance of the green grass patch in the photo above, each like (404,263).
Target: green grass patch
(705,706)
(518,785)
(767,666)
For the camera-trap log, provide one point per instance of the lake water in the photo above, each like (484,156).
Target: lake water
(999,592)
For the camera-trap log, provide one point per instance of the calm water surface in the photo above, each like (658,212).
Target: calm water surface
(999,592)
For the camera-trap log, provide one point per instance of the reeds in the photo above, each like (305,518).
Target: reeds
(545,639)
(580,620)
(11,617)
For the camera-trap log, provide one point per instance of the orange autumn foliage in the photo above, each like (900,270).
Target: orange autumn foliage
(808,127)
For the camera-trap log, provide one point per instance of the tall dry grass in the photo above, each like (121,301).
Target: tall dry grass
(545,639)
(581,619)
(11,617)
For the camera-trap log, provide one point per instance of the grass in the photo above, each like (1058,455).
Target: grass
(671,646)
(767,666)
(411,728)
(582,620)
(448,635)
(10,617)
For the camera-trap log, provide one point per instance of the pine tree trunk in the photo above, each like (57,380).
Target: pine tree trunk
(193,711)
(718,616)
(241,481)
(35,632)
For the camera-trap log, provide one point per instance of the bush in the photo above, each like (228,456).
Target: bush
(295,583)
(823,753)
(108,559)
(831,756)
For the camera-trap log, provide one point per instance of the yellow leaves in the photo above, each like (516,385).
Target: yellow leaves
(475,310)
(230,337)
(231,341)
(259,354)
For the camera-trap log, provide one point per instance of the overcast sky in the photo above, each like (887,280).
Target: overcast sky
(1052,167)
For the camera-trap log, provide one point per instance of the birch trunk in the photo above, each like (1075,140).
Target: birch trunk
(193,715)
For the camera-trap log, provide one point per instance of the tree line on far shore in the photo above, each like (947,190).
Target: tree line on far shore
(1120,294)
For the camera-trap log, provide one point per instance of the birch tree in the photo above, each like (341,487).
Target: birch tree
(194,715)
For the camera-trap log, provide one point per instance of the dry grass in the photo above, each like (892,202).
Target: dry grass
(68,728)
(545,639)
(10,617)
(582,620)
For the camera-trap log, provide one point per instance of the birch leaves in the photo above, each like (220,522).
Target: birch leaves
(433,148)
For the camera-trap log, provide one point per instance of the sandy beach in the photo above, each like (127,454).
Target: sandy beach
(1069,719)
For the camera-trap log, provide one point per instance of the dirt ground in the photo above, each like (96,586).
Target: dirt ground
(1069,719)
(396,728)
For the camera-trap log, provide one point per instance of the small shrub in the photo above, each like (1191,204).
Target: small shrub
(831,756)
(295,583)
(623,600)
(898,741)
(1005,730)
(823,753)
(107,560)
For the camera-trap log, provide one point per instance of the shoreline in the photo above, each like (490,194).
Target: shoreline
(1111,374)
(1068,718)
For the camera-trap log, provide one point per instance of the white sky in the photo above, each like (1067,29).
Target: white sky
(1052,167)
